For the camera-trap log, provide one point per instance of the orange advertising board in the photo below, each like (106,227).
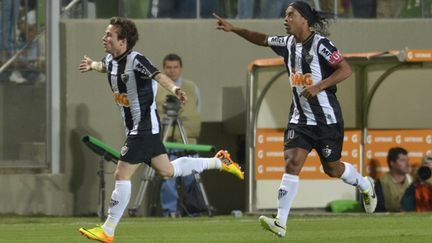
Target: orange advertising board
(419,55)
(269,159)
(378,142)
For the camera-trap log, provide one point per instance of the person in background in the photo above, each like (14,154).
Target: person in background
(418,196)
(8,18)
(28,30)
(191,121)
(389,8)
(392,185)
(8,22)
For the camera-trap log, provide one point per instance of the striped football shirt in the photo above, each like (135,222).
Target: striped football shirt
(130,77)
(307,64)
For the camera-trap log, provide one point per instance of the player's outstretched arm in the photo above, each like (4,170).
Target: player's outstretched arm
(87,64)
(168,84)
(252,36)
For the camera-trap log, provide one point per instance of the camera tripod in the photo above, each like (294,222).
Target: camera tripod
(169,124)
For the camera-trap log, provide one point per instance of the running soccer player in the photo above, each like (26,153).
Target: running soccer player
(314,66)
(132,78)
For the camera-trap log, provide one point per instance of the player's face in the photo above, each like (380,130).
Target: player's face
(294,21)
(401,165)
(111,42)
(173,69)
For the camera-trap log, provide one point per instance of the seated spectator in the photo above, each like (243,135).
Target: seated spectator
(389,8)
(392,185)
(418,197)
(416,9)
(8,15)
(28,30)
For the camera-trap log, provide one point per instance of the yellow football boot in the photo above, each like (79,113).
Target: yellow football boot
(97,233)
(228,165)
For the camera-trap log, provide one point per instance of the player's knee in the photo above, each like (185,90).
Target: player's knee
(335,170)
(165,174)
(119,176)
(292,166)
(330,172)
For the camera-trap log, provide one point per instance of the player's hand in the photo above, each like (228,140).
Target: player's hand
(311,91)
(181,95)
(85,64)
(222,24)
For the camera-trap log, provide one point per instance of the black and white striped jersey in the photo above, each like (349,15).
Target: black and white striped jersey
(131,79)
(308,63)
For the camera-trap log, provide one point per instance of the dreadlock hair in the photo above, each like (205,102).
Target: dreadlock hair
(318,21)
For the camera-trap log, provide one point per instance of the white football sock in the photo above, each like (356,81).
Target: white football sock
(352,177)
(187,166)
(119,201)
(286,194)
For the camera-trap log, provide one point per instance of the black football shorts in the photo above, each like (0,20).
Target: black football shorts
(141,149)
(327,140)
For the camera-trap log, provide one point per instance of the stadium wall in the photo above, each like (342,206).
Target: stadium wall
(217,62)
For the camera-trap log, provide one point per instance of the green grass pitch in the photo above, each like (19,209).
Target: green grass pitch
(326,228)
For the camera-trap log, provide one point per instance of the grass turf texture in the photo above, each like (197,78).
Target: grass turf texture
(328,228)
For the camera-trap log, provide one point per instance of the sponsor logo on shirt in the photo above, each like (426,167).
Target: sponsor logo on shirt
(124,78)
(277,41)
(301,80)
(335,58)
(332,57)
(121,99)
(325,52)
(142,70)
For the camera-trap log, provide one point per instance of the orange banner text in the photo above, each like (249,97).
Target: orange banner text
(378,142)
(269,159)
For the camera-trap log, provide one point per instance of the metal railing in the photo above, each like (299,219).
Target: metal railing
(41,32)
(249,9)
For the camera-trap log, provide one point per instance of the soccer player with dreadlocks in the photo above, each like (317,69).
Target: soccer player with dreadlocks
(314,66)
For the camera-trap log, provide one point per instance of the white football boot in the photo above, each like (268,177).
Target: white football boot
(272,225)
(369,197)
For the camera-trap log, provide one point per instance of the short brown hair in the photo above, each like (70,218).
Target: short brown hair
(172,57)
(126,29)
(393,154)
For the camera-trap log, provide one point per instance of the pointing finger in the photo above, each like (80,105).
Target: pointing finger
(217,16)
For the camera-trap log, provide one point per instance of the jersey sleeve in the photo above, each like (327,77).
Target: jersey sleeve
(278,44)
(329,52)
(104,62)
(144,66)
